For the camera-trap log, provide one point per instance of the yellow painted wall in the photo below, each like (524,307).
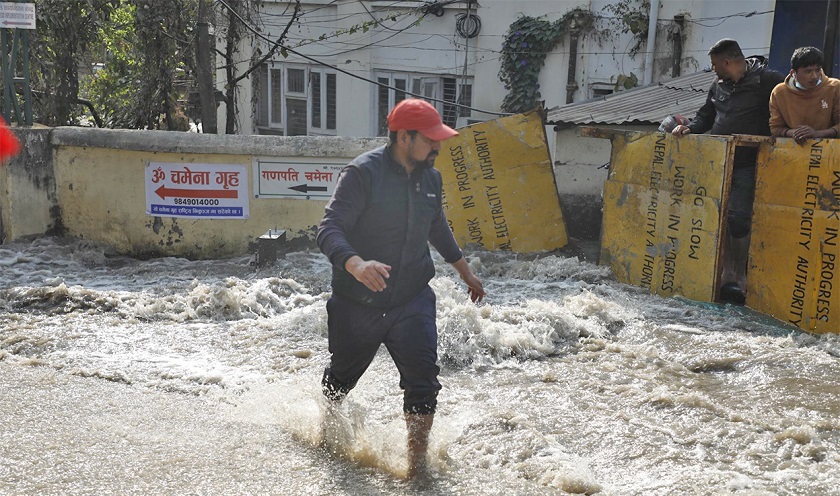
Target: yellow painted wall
(91,184)
(27,187)
(102,196)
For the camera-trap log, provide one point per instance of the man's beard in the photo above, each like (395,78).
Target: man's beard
(428,163)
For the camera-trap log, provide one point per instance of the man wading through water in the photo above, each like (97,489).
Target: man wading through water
(385,211)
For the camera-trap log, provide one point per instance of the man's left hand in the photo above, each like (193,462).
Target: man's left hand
(474,288)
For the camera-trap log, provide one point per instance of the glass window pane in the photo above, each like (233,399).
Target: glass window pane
(382,106)
(276,96)
(400,84)
(295,117)
(331,101)
(264,99)
(430,90)
(296,80)
(316,100)
(465,98)
(450,112)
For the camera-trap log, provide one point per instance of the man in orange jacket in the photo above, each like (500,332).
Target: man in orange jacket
(807,104)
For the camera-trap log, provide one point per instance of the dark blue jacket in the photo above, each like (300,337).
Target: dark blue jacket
(379,212)
(740,108)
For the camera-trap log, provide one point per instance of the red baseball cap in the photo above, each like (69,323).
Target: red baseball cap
(414,114)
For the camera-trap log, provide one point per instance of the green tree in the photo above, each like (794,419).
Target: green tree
(148,51)
(165,31)
(112,87)
(65,31)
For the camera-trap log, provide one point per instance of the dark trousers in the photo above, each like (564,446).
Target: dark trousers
(741,197)
(409,333)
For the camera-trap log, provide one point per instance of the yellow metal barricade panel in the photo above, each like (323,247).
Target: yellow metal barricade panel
(662,204)
(795,246)
(499,188)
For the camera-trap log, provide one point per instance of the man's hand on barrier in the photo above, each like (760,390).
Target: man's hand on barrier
(681,130)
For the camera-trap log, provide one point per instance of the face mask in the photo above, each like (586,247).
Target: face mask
(800,87)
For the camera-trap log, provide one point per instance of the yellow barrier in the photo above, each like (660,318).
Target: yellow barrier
(662,210)
(498,184)
(794,254)
(662,227)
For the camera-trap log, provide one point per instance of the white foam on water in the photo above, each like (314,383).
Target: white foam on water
(344,430)
(562,381)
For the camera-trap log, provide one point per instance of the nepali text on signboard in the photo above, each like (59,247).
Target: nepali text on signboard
(205,191)
(314,179)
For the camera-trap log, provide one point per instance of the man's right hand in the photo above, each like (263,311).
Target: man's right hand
(370,273)
(681,130)
(801,133)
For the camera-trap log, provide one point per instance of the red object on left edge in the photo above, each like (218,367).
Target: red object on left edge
(9,144)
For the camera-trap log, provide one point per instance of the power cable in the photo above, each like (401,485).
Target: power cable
(467,25)
(378,21)
(312,59)
(372,43)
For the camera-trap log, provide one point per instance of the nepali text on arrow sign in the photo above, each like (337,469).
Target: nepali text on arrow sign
(305,188)
(164,192)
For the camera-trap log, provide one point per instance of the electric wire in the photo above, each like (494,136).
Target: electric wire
(378,43)
(378,21)
(337,69)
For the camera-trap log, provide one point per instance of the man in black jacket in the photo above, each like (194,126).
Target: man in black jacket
(386,209)
(738,103)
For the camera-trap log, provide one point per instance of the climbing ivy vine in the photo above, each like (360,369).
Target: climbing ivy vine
(529,40)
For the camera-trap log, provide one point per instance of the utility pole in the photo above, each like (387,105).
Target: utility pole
(204,71)
(830,39)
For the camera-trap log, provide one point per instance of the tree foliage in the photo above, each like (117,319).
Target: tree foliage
(66,30)
(134,61)
(112,88)
(165,32)
(149,49)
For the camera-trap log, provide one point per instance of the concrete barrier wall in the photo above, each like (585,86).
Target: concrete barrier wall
(580,168)
(28,203)
(90,184)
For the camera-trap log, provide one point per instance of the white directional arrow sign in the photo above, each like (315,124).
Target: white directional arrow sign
(17,15)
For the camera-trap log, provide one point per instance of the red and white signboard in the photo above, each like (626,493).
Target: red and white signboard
(17,15)
(206,191)
(314,179)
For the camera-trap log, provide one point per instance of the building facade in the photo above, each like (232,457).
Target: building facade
(354,59)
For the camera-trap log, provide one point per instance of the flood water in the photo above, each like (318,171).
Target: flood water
(171,376)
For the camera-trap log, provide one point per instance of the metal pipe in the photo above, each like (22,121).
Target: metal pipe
(651,41)
(677,35)
(571,84)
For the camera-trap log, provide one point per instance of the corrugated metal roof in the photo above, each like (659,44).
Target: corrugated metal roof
(646,105)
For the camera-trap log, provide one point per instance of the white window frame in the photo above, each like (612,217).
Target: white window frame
(321,131)
(272,72)
(280,123)
(420,82)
